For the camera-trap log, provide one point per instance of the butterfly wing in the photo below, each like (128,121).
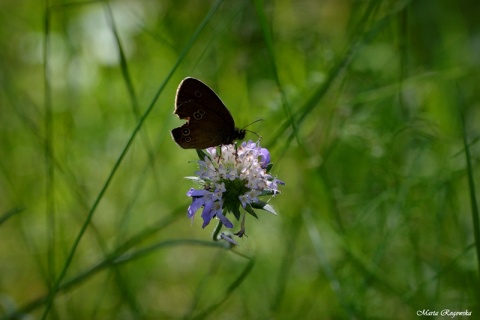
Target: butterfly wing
(209,123)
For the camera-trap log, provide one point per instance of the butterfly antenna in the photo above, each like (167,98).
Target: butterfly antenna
(259,136)
(251,124)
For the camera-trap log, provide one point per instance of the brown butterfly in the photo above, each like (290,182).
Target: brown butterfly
(209,123)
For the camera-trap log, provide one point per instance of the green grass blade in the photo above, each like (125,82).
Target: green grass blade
(472,194)
(267,34)
(92,210)
(9,214)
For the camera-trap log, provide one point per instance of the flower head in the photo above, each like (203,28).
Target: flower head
(232,177)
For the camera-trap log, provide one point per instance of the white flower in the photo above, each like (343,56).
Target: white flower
(232,177)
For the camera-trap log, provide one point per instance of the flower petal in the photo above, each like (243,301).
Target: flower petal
(196,193)
(264,158)
(224,219)
(196,204)
(207,213)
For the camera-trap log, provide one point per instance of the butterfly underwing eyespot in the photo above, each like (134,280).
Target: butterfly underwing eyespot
(209,123)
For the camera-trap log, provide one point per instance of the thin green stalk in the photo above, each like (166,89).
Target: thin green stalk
(130,88)
(473,199)
(116,258)
(48,152)
(216,231)
(229,291)
(53,291)
(10,213)
(267,35)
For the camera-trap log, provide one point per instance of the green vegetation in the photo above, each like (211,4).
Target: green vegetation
(370,111)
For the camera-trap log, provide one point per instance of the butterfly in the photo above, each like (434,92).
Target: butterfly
(209,123)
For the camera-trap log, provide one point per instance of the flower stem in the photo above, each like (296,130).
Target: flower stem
(215,233)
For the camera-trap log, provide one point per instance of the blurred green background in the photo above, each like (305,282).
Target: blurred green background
(362,105)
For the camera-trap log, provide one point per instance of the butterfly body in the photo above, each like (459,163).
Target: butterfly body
(209,123)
